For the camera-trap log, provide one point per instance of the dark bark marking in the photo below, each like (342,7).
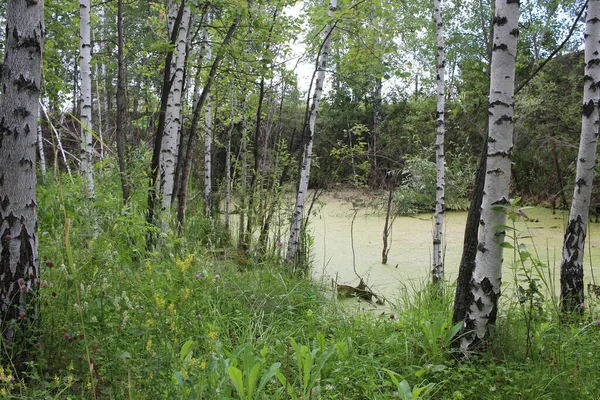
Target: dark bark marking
(5,203)
(514,32)
(502,119)
(588,108)
(481,247)
(499,103)
(23,83)
(500,21)
(501,46)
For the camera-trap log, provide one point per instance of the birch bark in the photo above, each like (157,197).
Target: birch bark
(482,307)
(298,214)
(85,61)
(571,271)
(20,82)
(170,139)
(438,232)
(208,141)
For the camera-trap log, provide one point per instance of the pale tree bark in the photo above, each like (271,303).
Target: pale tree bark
(437,272)
(244,176)
(170,139)
(482,309)
(40,143)
(571,271)
(208,141)
(228,161)
(20,80)
(153,197)
(85,61)
(298,214)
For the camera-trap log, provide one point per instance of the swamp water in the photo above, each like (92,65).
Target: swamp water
(410,256)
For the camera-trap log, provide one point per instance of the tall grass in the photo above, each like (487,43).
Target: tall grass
(185,322)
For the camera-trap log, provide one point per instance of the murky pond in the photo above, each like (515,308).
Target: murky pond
(410,256)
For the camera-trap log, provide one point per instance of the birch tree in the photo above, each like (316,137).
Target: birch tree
(298,214)
(170,138)
(20,80)
(438,262)
(85,66)
(487,275)
(208,142)
(571,271)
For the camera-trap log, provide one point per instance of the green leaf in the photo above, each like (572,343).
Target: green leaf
(185,349)
(236,378)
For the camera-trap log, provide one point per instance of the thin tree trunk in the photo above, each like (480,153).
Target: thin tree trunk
(170,138)
(298,215)
(571,269)
(244,177)
(437,273)
(166,88)
(462,297)
(121,103)
(40,143)
(228,162)
(191,146)
(387,228)
(20,80)
(487,276)
(208,142)
(85,58)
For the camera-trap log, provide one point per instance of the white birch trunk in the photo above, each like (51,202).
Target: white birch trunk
(485,284)
(571,271)
(85,66)
(40,143)
(208,141)
(228,162)
(170,139)
(20,82)
(298,214)
(438,231)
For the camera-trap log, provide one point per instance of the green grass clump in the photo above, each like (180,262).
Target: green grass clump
(185,321)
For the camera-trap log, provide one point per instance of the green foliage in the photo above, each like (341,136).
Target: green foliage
(182,323)
(416,192)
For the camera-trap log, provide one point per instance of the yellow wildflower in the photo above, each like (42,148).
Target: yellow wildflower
(149,345)
(203,364)
(212,335)
(186,293)
(159,300)
(184,264)
(172,309)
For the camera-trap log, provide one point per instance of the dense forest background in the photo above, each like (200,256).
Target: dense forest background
(378,114)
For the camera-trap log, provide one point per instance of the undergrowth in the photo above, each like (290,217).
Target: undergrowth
(186,321)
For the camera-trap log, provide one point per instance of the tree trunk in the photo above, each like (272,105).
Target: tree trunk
(571,269)
(228,161)
(20,80)
(121,103)
(85,58)
(208,142)
(298,215)
(437,272)
(156,153)
(191,146)
(40,143)
(467,261)
(170,139)
(487,276)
